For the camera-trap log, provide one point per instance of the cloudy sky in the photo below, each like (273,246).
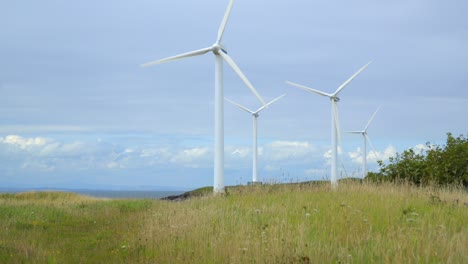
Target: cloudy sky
(76,110)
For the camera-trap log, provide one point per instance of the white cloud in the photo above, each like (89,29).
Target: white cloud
(328,153)
(129,150)
(40,146)
(37,166)
(114,165)
(374,156)
(356,156)
(23,143)
(63,149)
(282,150)
(46,154)
(420,148)
(157,155)
(240,152)
(42,129)
(193,157)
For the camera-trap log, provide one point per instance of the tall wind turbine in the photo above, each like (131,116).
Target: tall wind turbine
(335,126)
(366,138)
(254,146)
(220,54)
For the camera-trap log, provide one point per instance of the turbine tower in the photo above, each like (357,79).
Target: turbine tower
(254,146)
(335,126)
(365,138)
(220,54)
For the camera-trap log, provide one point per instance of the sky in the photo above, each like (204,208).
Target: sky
(77,110)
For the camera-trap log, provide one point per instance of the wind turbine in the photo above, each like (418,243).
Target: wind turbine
(220,54)
(366,138)
(335,126)
(254,146)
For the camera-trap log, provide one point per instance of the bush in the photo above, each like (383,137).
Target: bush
(442,165)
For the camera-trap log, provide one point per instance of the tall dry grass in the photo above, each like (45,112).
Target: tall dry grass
(357,223)
(308,223)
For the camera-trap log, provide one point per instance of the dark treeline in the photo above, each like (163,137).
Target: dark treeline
(441,165)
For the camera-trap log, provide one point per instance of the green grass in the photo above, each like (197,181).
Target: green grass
(302,223)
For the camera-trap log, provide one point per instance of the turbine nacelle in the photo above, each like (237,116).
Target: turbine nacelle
(217,47)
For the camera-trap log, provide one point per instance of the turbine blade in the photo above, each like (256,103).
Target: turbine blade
(372,146)
(350,79)
(372,118)
(224,22)
(354,132)
(178,57)
(269,103)
(240,106)
(337,122)
(308,89)
(241,75)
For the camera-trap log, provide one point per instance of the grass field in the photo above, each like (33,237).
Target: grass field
(356,223)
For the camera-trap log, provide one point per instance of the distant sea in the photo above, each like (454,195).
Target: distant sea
(129,194)
(108,193)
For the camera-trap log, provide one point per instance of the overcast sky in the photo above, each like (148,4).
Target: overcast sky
(76,110)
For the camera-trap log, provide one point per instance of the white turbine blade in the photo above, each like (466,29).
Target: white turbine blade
(178,57)
(372,146)
(354,132)
(372,118)
(241,75)
(337,122)
(238,105)
(308,89)
(350,79)
(224,22)
(269,103)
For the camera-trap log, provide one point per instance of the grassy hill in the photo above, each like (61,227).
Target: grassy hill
(296,223)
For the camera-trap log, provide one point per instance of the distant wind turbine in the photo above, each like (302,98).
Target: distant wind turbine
(366,138)
(220,54)
(254,146)
(335,124)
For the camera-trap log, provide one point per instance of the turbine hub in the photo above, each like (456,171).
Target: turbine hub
(218,48)
(334,98)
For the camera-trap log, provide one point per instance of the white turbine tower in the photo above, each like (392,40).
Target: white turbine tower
(335,124)
(220,55)
(254,146)
(366,138)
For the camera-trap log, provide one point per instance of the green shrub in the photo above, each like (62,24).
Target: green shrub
(441,165)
